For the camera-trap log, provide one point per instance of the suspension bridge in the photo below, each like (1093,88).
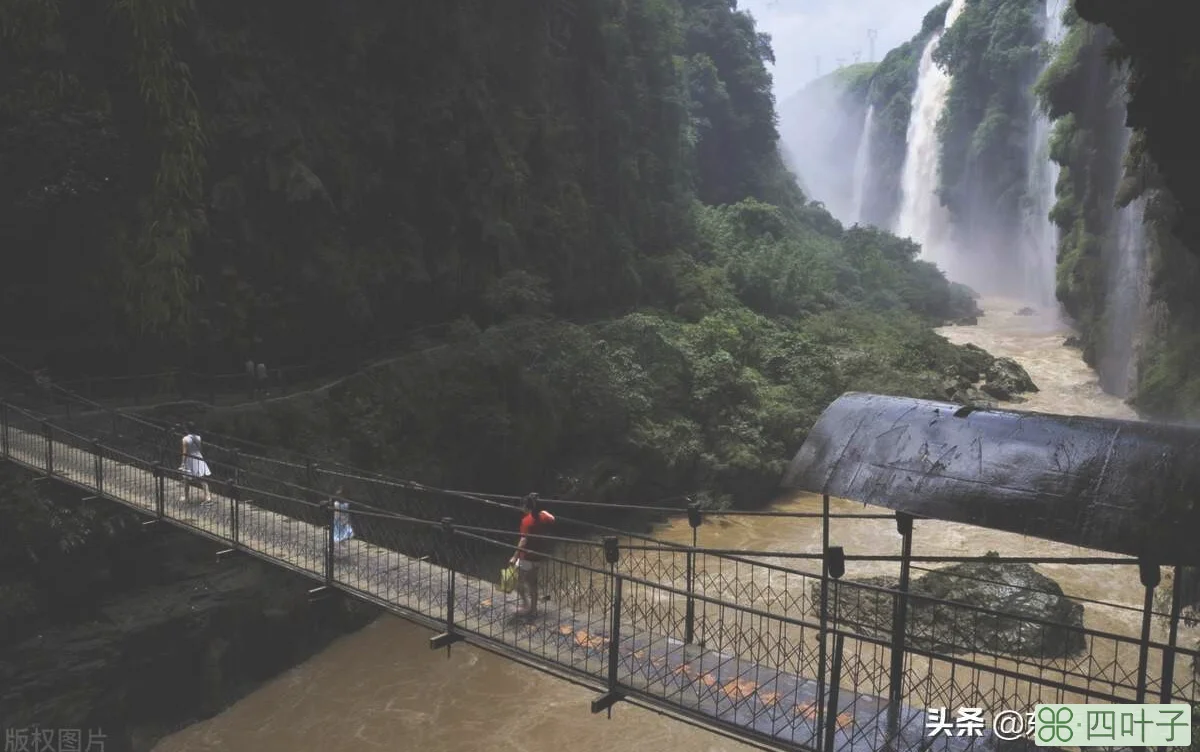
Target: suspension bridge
(759,645)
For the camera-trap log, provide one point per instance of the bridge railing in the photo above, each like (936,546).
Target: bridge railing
(895,644)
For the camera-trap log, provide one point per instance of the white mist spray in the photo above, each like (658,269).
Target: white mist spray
(1125,299)
(922,216)
(1038,252)
(862,165)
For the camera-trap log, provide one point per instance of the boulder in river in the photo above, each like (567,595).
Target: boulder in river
(1026,311)
(1018,592)
(1006,378)
(1074,342)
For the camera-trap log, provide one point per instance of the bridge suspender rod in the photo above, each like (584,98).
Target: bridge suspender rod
(98,459)
(605,701)
(1150,575)
(329,543)
(824,617)
(904,525)
(835,678)
(48,432)
(451,635)
(689,625)
(1168,667)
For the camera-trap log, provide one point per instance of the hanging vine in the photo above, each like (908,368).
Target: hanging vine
(155,271)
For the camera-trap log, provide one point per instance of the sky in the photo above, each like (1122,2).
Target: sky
(802,30)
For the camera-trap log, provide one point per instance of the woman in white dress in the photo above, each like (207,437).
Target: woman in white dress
(192,464)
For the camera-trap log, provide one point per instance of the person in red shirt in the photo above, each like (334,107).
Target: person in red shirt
(531,552)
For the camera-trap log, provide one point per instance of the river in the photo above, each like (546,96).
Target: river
(383,688)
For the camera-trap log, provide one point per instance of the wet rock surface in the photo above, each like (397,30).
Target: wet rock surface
(982,380)
(1010,589)
(1005,378)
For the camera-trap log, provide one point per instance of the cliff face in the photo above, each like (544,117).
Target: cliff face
(137,632)
(991,56)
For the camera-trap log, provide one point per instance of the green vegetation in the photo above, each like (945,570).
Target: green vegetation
(1079,89)
(855,79)
(710,394)
(647,302)
(991,53)
(1168,374)
(891,91)
(1164,70)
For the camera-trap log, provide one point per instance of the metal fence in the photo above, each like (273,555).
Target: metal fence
(820,649)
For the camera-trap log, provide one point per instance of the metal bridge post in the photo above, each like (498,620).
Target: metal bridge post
(1150,576)
(823,615)
(1168,667)
(612,554)
(234,508)
(904,525)
(160,491)
(695,518)
(49,434)
(450,636)
(4,428)
(835,678)
(329,543)
(98,454)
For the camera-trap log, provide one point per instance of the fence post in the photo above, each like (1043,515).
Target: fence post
(823,616)
(48,432)
(450,636)
(695,518)
(234,508)
(1150,576)
(98,453)
(1168,667)
(4,428)
(904,525)
(613,695)
(329,543)
(835,678)
(160,491)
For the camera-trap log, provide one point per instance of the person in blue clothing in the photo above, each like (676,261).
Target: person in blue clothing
(342,529)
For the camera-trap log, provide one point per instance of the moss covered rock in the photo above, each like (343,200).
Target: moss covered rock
(1016,592)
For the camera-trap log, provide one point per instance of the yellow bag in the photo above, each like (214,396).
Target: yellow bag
(508,579)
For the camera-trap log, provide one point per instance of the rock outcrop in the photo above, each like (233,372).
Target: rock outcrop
(1005,378)
(1017,592)
(982,380)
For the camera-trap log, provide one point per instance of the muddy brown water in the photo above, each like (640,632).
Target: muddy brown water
(383,688)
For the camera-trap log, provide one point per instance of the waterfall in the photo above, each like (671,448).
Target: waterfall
(922,216)
(1039,236)
(1125,301)
(862,165)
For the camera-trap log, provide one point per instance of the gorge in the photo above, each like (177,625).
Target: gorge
(635,300)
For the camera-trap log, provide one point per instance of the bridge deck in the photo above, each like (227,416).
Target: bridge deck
(778,707)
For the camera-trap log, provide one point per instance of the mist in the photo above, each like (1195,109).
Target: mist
(822,130)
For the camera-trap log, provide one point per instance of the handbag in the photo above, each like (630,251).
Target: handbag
(508,579)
